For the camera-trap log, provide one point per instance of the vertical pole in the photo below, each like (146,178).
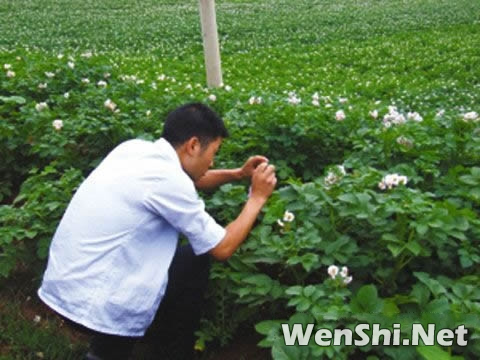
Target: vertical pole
(210,43)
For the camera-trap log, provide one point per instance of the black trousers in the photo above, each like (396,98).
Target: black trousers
(171,334)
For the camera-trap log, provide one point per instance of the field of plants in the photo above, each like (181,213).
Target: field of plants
(369,109)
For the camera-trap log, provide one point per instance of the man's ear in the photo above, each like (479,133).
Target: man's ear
(193,146)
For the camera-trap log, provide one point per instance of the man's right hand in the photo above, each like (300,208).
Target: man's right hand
(263,181)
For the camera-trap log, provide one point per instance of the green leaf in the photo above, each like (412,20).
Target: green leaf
(303,305)
(391,237)
(294,290)
(433,353)
(395,249)
(421,229)
(435,287)
(267,326)
(309,290)
(367,301)
(281,351)
(414,247)
(13,100)
(348,198)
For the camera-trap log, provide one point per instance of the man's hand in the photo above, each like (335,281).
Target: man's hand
(251,164)
(263,181)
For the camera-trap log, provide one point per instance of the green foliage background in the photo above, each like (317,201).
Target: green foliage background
(413,251)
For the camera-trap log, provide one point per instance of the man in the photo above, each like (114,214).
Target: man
(115,249)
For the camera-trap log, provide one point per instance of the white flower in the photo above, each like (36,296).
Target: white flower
(106,75)
(42,85)
(341,168)
(331,178)
(316,97)
(37,319)
(344,272)
(41,106)
(49,74)
(373,114)
(288,216)
(71,64)
(328,105)
(347,280)
(393,117)
(7,66)
(87,54)
(414,116)
(85,81)
(402,140)
(315,102)
(10,74)
(332,271)
(140,81)
(470,116)
(148,113)
(161,77)
(280,223)
(102,83)
(57,124)
(189,87)
(391,180)
(440,113)
(212,97)
(293,98)
(340,115)
(66,95)
(228,88)
(110,105)
(255,100)
(342,100)
(60,56)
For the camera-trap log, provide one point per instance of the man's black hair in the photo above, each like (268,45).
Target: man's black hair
(190,120)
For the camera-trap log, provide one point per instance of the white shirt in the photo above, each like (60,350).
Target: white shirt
(109,258)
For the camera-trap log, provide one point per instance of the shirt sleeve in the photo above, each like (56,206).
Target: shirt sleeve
(177,201)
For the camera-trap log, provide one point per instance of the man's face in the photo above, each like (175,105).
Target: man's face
(203,158)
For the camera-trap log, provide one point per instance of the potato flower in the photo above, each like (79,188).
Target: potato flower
(392,180)
(41,106)
(340,115)
(57,124)
(288,216)
(470,116)
(332,271)
(110,105)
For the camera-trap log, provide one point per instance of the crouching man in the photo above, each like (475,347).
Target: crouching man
(115,268)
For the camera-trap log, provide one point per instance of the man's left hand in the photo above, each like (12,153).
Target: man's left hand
(251,164)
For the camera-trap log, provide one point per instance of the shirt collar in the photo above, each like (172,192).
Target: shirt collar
(168,151)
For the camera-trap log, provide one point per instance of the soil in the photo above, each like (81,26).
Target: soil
(20,293)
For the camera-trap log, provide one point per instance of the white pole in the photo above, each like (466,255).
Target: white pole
(210,43)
